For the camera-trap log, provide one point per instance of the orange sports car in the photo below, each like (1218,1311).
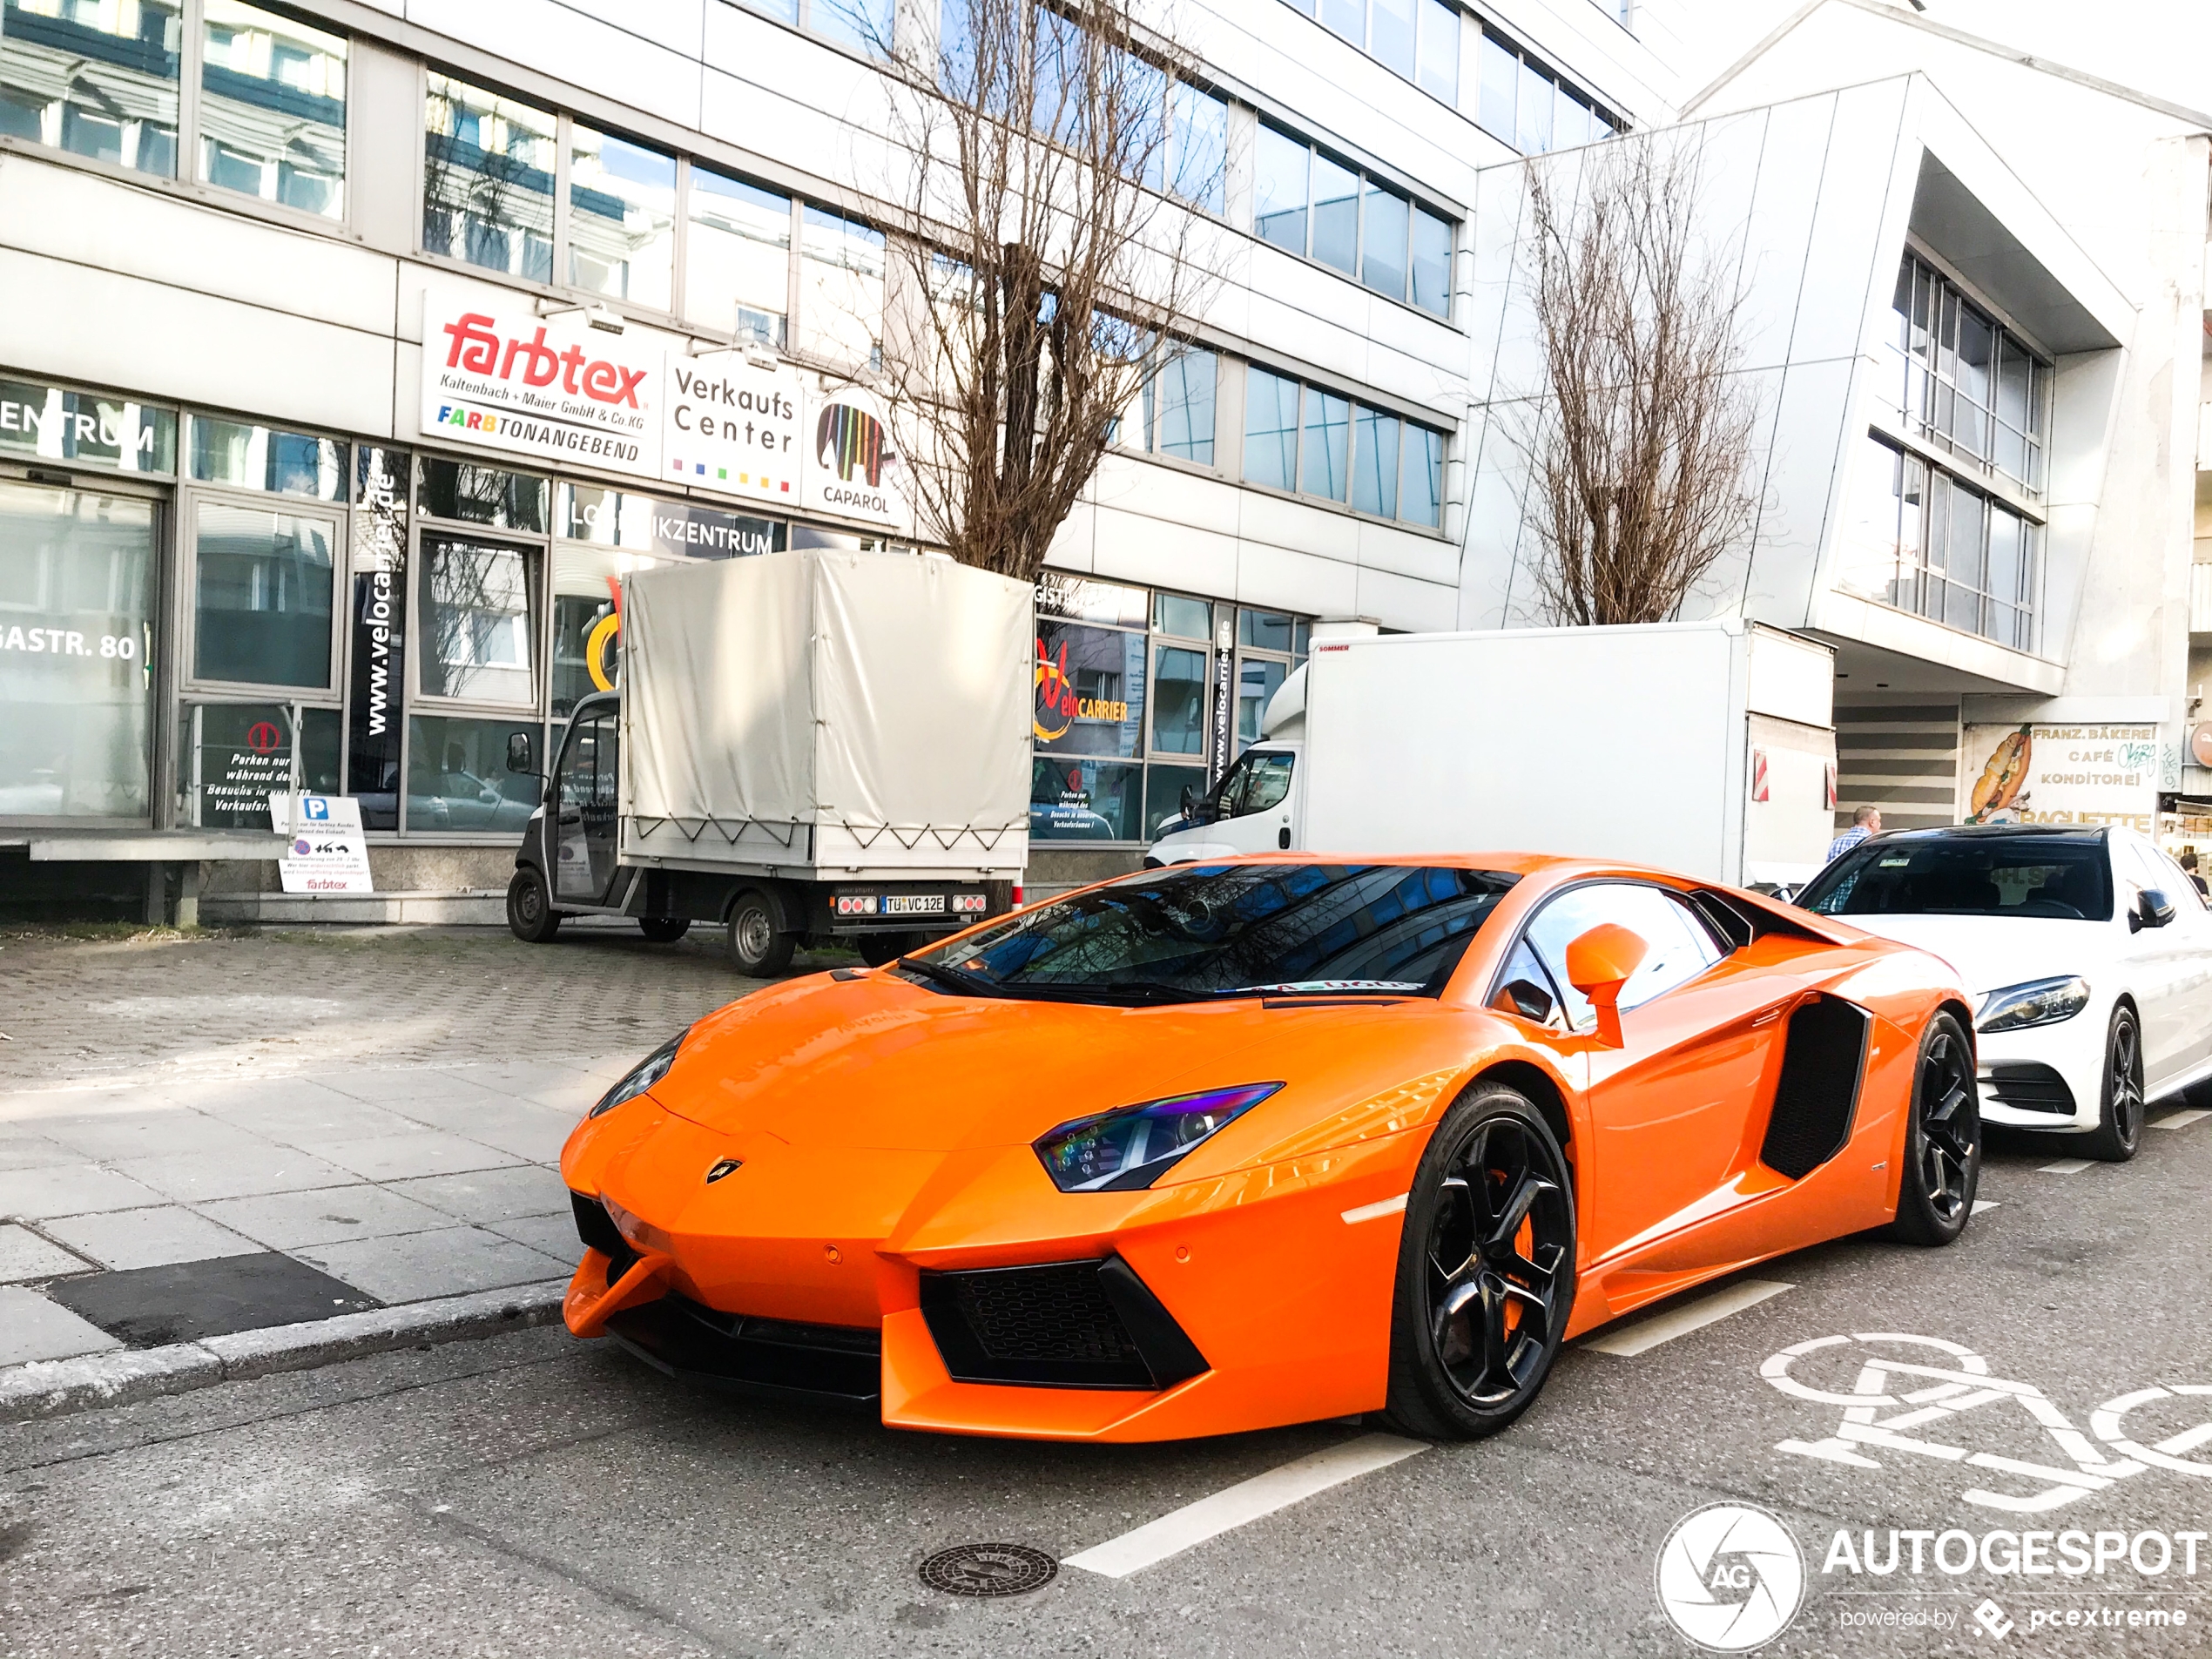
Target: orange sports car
(1222,1146)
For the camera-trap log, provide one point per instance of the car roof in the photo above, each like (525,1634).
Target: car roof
(1986,831)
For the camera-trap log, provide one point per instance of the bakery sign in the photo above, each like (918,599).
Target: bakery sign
(2061,774)
(555,389)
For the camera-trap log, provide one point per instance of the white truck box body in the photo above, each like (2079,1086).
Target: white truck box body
(1645,744)
(827,713)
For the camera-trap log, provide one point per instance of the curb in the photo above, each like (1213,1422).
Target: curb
(56,1387)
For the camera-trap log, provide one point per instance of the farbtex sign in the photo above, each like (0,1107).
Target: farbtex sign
(558,390)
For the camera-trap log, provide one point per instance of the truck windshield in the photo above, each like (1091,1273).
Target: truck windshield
(2062,877)
(1202,931)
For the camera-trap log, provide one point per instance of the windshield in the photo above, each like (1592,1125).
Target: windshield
(1199,930)
(2050,876)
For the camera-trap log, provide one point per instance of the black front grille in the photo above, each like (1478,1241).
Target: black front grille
(1068,1324)
(597,1229)
(1817,1096)
(739,1351)
(2027,1087)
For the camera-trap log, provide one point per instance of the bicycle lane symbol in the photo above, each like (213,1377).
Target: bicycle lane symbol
(1931,1397)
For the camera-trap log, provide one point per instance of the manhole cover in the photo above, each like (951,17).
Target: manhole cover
(989,1569)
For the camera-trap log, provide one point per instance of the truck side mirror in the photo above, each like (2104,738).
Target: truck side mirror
(519,757)
(1598,964)
(1189,799)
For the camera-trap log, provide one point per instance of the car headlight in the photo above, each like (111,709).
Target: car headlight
(642,1076)
(1133,1146)
(2042,1001)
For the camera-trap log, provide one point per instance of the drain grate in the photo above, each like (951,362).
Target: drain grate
(989,1569)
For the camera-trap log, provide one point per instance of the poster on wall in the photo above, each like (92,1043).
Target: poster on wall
(325,850)
(2061,774)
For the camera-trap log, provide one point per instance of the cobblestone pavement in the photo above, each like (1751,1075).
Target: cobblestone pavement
(383,1107)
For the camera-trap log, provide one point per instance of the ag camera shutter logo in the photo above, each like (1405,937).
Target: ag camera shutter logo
(1729,1577)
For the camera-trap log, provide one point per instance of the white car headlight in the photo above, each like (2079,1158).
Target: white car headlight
(2042,1001)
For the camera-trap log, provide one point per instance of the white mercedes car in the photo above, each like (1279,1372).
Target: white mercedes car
(2090,950)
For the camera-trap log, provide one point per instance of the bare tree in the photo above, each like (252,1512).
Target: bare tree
(1045,271)
(1639,441)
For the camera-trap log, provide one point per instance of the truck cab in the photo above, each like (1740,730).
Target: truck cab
(1252,807)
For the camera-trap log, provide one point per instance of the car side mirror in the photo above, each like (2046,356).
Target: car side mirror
(1189,799)
(1598,964)
(1527,998)
(2152,909)
(519,757)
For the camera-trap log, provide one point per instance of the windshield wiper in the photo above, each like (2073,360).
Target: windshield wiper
(969,982)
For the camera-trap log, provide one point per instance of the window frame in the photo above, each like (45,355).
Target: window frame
(1605,120)
(1356,404)
(189,682)
(1365,179)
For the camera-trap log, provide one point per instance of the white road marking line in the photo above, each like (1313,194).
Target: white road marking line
(2179,1120)
(2064,1166)
(1245,1501)
(1680,1322)
(1981,1204)
(1376,1211)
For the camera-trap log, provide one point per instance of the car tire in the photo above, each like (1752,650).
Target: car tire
(530,915)
(664,930)
(1943,1139)
(878,950)
(1485,1270)
(2120,1098)
(757,949)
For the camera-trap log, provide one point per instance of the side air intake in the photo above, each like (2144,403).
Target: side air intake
(1823,1060)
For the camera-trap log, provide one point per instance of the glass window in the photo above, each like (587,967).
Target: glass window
(622,218)
(49,424)
(1432,269)
(256,457)
(2063,877)
(488,171)
(476,636)
(472,495)
(1264,629)
(1084,800)
(234,756)
(841,288)
(1375,462)
(1186,399)
(261,608)
(1163,787)
(1500,83)
(97,80)
(1257,680)
(272,108)
(781,11)
(1267,782)
(1391,26)
(1271,429)
(1533,117)
(1570,121)
(1678,947)
(737,269)
(1322,469)
(587,619)
(76,637)
(457,776)
(1089,690)
(1439,65)
(1335,214)
(1186,618)
(1382,250)
(1080,599)
(1200,140)
(865,26)
(1279,189)
(1423,502)
(1179,684)
(1347,17)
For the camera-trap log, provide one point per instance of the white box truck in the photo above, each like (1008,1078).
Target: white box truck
(1704,747)
(820,744)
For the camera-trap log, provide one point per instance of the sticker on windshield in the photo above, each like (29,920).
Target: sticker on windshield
(1896,864)
(1341,985)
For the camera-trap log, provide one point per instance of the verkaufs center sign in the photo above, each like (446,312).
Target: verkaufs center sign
(555,389)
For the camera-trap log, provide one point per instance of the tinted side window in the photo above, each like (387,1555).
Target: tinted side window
(1525,966)
(1679,946)
(1267,780)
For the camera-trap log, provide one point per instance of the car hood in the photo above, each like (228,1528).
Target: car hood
(1990,952)
(876,1061)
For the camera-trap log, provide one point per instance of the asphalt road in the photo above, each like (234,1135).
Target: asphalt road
(535,1496)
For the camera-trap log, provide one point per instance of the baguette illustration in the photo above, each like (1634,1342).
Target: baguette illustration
(2001,779)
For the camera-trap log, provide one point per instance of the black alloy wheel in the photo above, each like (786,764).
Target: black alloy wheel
(2119,1119)
(756,948)
(1943,1140)
(1485,1270)
(664,930)
(530,915)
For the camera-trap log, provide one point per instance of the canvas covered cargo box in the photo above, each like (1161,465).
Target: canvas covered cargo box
(828,712)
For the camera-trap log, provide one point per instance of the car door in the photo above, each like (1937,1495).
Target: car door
(585,798)
(2159,959)
(2192,931)
(1256,805)
(1671,1110)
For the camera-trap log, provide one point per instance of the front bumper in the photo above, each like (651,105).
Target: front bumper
(2047,1077)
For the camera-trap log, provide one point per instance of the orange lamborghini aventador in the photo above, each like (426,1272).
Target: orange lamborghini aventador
(1223,1146)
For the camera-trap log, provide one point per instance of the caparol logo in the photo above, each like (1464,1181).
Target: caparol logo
(478,349)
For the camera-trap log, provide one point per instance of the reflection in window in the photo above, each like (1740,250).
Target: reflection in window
(257,457)
(1257,680)
(1422,501)
(272,108)
(1919,540)
(1520,103)
(1382,261)
(234,756)
(457,776)
(488,171)
(1199,146)
(1189,618)
(1391,29)
(1279,187)
(1163,791)
(586,631)
(1321,456)
(865,26)
(1960,380)
(1375,462)
(1335,214)
(840,271)
(1179,700)
(1264,629)
(1186,399)
(1431,263)
(622,218)
(469,494)
(98,80)
(737,271)
(1271,429)
(1084,800)
(53,423)
(1439,65)
(1089,690)
(475,632)
(262,603)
